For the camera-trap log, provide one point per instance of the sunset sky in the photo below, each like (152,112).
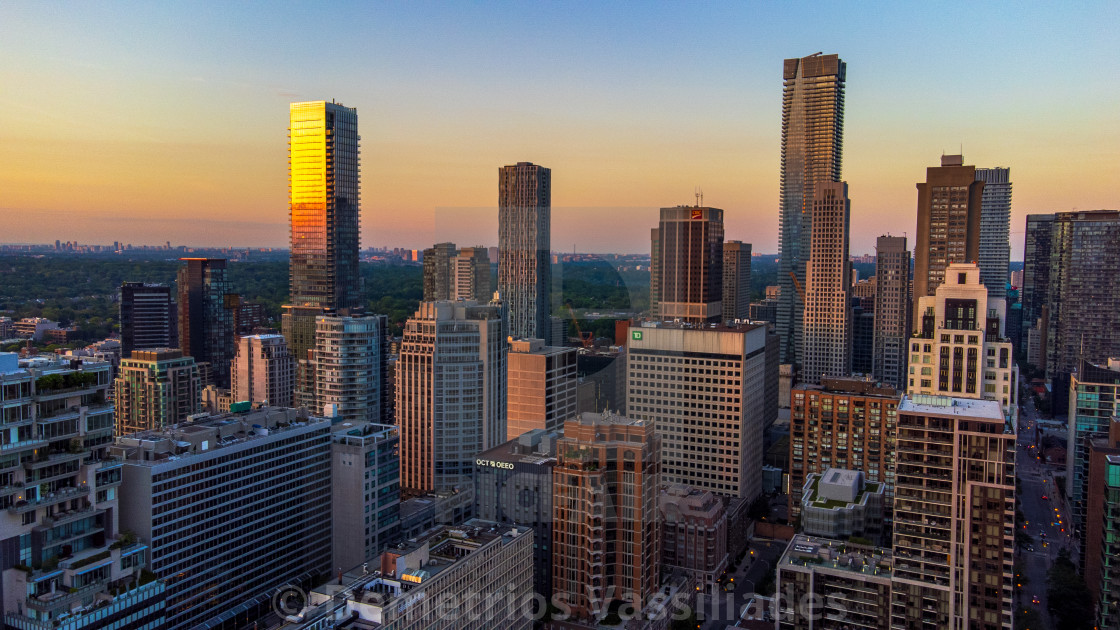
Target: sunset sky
(147,122)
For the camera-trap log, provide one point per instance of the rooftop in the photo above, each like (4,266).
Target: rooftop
(972,408)
(205,433)
(837,555)
(529,448)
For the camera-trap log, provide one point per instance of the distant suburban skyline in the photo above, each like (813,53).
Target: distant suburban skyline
(145,123)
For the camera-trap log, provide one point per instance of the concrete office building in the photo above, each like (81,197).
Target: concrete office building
(851,585)
(155,389)
(470,278)
(709,393)
(842,423)
(66,563)
(206,311)
(450,392)
(148,317)
(347,366)
(263,371)
(1093,392)
(840,503)
(541,387)
(203,497)
(736,281)
(960,347)
(475,575)
(827,324)
(524,241)
(513,484)
(995,227)
(693,533)
(812,143)
(606,478)
(365,491)
(892,310)
(952,564)
(688,264)
(948,230)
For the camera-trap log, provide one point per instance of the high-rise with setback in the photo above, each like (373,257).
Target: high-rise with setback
(324,202)
(827,320)
(995,226)
(524,236)
(812,139)
(954,515)
(450,392)
(689,264)
(892,310)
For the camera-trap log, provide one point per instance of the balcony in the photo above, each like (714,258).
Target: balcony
(56,601)
(22,445)
(52,459)
(52,498)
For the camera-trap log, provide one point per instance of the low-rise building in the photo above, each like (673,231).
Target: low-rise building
(232,507)
(474,576)
(693,533)
(840,504)
(827,583)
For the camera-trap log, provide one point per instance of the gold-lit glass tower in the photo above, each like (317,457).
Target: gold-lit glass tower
(323,183)
(323,172)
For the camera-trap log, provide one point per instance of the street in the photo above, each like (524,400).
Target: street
(725,611)
(1046,516)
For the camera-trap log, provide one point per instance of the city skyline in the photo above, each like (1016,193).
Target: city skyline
(156,137)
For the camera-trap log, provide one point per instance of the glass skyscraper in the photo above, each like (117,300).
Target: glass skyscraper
(206,307)
(524,235)
(323,175)
(812,139)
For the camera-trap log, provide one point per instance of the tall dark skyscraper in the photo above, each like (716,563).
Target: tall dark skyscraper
(995,228)
(948,223)
(689,264)
(148,317)
(892,310)
(812,139)
(206,311)
(1036,275)
(1083,293)
(324,203)
(524,235)
(736,280)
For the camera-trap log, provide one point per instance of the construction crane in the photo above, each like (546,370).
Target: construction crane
(584,337)
(797,285)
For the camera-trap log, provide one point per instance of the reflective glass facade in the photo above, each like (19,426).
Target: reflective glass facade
(323,178)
